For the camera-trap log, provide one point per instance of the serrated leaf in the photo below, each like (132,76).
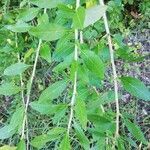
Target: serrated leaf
(65,143)
(78,19)
(45,52)
(48,32)
(18,27)
(9,89)
(93,14)
(47,3)
(28,14)
(21,145)
(7,147)
(136,88)
(16,69)
(135,131)
(80,112)
(53,91)
(81,136)
(94,63)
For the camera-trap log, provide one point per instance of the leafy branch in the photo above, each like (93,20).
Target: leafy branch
(114,70)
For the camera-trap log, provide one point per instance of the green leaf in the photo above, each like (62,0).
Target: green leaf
(81,136)
(65,144)
(6,132)
(53,91)
(63,65)
(65,11)
(103,123)
(16,69)
(131,142)
(135,131)
(43,108)
(63,48)
(94,63)
(94,14)
(62,52)
(44,19)
(15,124)
(121,144)
(48,32)
(56,131)
(18,27)
(7,147)
(102,99)
(47,3)
(97,134)
(60,112)
(9,89)
(21,145)
(80,111)
(48,109)
(17,118)
(28,54)
(45,52)
(28,14)
(136,88)
(78,19)
(41,140)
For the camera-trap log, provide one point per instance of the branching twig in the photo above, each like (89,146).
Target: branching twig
(73,99)
(114,70)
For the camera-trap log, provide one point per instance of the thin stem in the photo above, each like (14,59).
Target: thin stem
(114,70)
(21,79)
(29,88)
(73,99)
(30,84)
(102,108)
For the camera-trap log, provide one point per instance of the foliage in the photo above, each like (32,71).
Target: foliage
(38,69)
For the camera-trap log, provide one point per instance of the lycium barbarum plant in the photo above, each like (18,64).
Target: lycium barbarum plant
(55,57)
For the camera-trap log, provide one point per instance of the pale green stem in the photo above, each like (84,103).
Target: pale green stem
(114,70)
(73,99)
(29,88)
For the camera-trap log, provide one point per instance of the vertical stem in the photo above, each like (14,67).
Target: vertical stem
(21,79)
(73,99)
(114,70)
(30,84)
(29,88)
